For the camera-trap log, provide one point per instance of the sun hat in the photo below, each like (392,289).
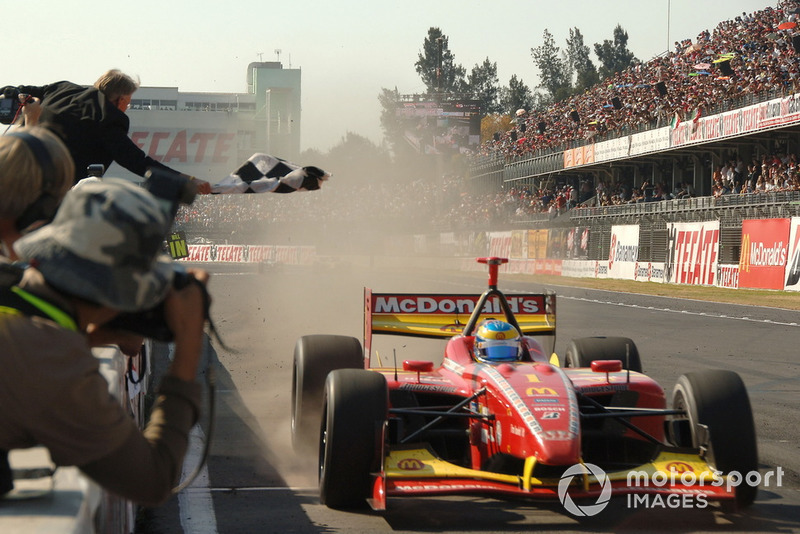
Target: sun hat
(105,246)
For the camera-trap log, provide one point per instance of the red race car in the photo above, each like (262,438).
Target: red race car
(503,415)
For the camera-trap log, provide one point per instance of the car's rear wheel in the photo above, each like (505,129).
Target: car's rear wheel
(314,357)
(718,400)
(581,352)
(356,406)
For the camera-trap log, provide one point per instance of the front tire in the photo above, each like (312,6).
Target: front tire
(718,399)
(314,357)
(351,441)
(581,352)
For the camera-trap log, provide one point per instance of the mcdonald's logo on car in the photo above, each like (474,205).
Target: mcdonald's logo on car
(541,392)
(410,464)
(680,467)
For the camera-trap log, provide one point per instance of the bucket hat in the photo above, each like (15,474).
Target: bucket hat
(105,246)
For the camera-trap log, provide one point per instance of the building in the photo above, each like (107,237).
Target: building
(209,135)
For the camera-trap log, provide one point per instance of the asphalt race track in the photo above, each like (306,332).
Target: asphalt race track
(254,483)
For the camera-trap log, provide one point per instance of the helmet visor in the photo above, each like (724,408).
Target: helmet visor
(498,350)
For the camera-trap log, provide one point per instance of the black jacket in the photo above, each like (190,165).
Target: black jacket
(94,129)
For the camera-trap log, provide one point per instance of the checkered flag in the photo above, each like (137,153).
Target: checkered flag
(262,173)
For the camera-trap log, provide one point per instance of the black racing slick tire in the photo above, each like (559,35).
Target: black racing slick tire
(356,407)
(581,352)
(718,400)
(314,357)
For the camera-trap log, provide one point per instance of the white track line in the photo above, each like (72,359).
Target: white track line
(684,312)
(668,310)
(195,504)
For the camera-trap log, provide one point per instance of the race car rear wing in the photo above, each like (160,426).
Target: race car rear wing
(447,315)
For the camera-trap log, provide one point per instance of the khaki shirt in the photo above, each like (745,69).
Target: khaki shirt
(52,394)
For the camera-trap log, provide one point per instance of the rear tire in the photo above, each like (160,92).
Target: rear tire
(718,399)
(581,352)
(356,406)
(314,357)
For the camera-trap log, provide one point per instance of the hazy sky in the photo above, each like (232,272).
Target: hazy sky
(347,49)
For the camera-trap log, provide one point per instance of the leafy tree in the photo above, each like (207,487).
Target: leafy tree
(553,68)
(517,95)
(580,62)
(436,65)
(482,82)
(614,55)
(356,159)
(391,126)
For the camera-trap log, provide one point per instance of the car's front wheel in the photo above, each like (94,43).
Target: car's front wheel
(314,357)
(581,352)
(717,400)
(355,409)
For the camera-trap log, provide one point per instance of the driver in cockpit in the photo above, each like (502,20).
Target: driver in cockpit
(497,341)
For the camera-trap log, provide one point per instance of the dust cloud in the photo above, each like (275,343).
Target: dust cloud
(358,227)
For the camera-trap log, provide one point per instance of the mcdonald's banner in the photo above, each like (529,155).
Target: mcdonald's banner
(764,253)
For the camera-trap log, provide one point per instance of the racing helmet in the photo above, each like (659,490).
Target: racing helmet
(496,341)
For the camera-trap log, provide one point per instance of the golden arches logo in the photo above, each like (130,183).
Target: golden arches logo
(679,467)
(745,254)
(410,464)
(541,392)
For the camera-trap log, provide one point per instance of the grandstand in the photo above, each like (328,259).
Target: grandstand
(706,133)
(728,97)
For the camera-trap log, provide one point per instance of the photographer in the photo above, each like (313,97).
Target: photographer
(99,257)
(92,122)
(35,173)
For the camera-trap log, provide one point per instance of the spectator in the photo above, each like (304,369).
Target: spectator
(92,123)
(100,256)
(31,191)
(763,60)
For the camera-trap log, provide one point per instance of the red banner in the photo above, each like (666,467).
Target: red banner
(765,249)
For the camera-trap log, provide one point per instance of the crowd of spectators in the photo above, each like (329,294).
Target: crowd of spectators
(749,55)
(449,203)
(769,173)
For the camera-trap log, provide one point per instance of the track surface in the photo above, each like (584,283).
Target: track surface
(257,484)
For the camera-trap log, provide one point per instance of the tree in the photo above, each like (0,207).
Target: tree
(392,128)
(356,159)
(580,62)
(516,96)
(614,56)
(436,65)
(553,68)
(482,82)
